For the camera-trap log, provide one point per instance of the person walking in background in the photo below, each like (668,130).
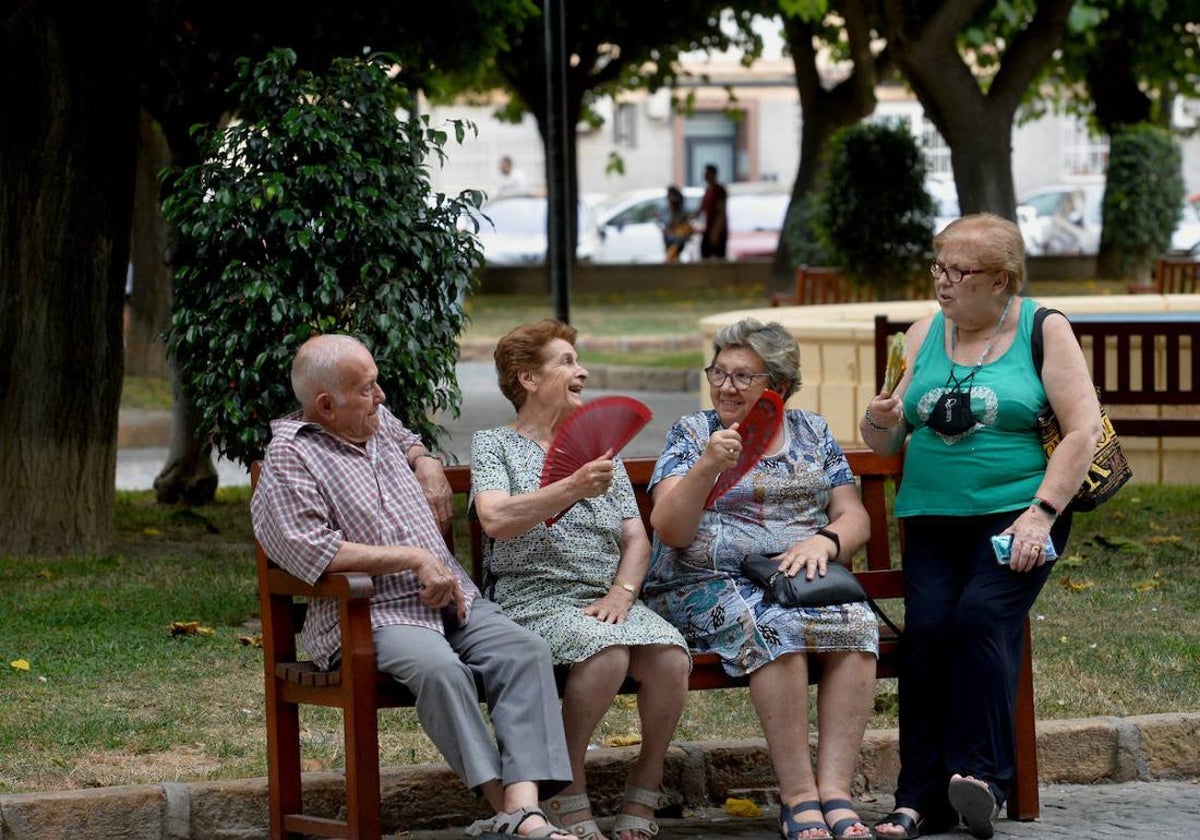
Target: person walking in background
(576,582)
(799,503)
(345,487)
(677,224)
(974,468)
(512,179)
(716,225)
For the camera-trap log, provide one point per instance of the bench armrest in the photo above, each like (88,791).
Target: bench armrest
(341,585)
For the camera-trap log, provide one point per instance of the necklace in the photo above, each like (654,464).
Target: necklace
(987,347)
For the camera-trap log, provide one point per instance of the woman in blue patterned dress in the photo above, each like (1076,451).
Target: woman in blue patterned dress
(576,583)
(799,502)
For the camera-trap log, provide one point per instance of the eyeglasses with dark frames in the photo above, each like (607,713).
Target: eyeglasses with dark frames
(741,379)
(954,274)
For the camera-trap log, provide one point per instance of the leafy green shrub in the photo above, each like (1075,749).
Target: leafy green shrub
(803,238)
(1142,196)
(314,214)
(874,216)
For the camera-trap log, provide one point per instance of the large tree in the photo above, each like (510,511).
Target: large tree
(68,100)
(813,35)
(970,62)
(71,80)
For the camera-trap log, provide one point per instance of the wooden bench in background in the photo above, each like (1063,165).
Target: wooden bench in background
(359,690)
(1172,276)
(1161,383)
(816,285)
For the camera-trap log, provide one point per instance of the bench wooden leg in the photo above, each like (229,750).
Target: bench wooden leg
(1024,802)
(362,770)
(283,762)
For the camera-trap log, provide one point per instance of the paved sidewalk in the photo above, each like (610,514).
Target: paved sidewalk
(1129,811)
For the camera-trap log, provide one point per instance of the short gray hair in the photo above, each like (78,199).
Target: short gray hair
(315,369)
(773,344)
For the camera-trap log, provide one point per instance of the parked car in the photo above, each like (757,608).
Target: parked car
(945,202)
(1061,219)
(631,224)
(1186,238)
(755,220)
(512,231)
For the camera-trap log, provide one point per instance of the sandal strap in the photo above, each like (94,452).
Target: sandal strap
(566,804)
(631,822)
(642,796)
(836,805)
(911,827)
(789,828)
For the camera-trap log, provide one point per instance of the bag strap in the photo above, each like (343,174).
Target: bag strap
(1035,338)
(879,612)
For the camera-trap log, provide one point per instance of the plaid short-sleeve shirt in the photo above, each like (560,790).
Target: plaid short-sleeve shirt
(317,491)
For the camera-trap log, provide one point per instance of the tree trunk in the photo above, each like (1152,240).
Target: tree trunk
(976,125)
(824,111)
(189,475)
(150,303)
(68,96)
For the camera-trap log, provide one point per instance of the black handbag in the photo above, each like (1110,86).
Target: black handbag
(837,586)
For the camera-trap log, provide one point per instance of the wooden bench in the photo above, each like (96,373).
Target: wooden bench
(359,690)
(1172,276)
(1146,399)
(816,285)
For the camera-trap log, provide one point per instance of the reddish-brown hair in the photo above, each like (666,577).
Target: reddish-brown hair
(521,352)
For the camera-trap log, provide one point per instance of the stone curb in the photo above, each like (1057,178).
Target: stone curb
(698,775)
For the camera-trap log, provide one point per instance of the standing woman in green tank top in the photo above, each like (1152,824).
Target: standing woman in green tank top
(973,469)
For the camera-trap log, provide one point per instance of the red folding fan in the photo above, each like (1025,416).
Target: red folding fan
(761,423)
(591,430)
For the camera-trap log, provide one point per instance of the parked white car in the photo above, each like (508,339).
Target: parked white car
(1186,239)
(512,231)
(631,224)
(1061,219)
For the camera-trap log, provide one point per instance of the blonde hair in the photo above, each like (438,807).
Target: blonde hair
(1004,247)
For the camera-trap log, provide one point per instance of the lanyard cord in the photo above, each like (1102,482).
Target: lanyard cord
(966,380)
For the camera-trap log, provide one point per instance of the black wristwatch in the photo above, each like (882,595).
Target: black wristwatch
(837,543)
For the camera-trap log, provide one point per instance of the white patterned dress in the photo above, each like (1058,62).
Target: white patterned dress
(781,501)
(544,578)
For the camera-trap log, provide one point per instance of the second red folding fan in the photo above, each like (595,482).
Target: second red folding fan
(591,430)
(757,429)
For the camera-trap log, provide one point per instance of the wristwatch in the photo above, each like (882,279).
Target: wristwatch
(830,535)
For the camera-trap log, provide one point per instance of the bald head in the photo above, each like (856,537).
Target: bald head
(317,368)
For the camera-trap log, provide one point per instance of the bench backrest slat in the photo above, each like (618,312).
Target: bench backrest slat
(1165,375)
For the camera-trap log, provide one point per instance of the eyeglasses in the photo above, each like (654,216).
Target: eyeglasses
(953,274)
(741,379)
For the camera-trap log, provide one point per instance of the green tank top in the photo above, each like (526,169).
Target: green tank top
(998,464)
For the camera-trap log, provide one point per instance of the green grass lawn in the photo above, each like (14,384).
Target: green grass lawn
(98,690)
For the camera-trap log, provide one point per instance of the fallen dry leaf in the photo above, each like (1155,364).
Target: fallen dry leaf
(251,641)
(623,740)
(151,532)
(1149,584)
(1075,585)
(742,808)
(625,701)
(19,664)
(1174,539)
(189,628)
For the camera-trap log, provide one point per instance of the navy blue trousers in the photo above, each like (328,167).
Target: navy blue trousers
(964,617)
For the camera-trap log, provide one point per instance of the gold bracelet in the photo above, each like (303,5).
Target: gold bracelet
(630,588)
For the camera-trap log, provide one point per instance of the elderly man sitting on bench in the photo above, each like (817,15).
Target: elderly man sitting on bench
(346,487)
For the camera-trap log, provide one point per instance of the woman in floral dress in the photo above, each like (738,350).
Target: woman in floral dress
(576,582)
(799,502)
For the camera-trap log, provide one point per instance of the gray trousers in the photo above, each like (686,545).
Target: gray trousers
(513,665)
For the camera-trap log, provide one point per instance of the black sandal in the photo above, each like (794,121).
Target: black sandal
(843,825)
(789,829)
(912,828)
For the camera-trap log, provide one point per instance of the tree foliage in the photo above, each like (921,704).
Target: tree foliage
(313,214)
(875,217)
(1124,62)
(1142,196)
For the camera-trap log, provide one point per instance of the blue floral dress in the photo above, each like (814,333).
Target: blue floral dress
(544,578)
(781,501)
